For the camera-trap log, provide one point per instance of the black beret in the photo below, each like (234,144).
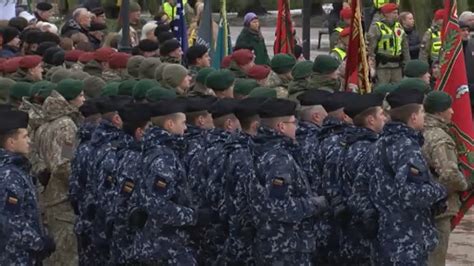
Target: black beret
(363,103)
(97,27)
(49,54)
(135,113)
(275,107)
(44,46)
(114,103)
(165,36)
(201,103)
(43,6)
(400,98)
(12,120)
(9,33)
(313,97)
(50,37)
(98,11)
(169,46)
(32,36)
(165,27)
(338,100)
(19,23)
(167,107)
(249,107)
(196,51)
(89,108)
(148,45)
(224,107)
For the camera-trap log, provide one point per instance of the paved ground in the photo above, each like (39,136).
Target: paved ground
(461,245)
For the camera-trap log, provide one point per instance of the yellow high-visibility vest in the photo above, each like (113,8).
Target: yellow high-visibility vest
(379,3)
(341,53)
(171,10)
(435,44)
(390,43)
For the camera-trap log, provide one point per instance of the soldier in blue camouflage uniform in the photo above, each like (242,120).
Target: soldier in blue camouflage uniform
(404,194)
(239,170)
(101,172)
(280,194)
(164,238)
(326,169)
(78,178)
(369,119)
(135,119)
(211,170)
(22,237)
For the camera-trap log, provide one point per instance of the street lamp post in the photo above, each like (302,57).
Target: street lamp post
(306,28)
(124,44)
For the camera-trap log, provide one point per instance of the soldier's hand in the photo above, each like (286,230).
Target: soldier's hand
(138,218)
(49,246)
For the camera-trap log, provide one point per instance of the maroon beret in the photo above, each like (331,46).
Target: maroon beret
(118,60)
(12,64)
(226,61)
(86,57)
(242,56)
(259,72)
(103,54)
(388,8)
(30,61)
(73,55)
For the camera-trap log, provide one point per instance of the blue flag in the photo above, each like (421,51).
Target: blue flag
(205,34)
(179,26)
(224,42)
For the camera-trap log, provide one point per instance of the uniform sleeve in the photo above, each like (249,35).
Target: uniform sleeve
(163,188)
(425,47)
(282,203)
(445,163)
(18,226)
(215,183)
(405,48)
(415,186)
(65,139)
(373,38)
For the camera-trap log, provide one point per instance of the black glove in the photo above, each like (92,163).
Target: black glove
(49,246)
(137,219)
(43,177)
(439,207)
(206,216)
(340,211)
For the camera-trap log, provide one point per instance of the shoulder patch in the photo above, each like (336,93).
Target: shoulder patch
(11,202)
(278,181)
(414,171)
(128,186)
(160,184)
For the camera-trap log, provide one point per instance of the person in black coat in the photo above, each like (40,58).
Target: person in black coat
(408,22)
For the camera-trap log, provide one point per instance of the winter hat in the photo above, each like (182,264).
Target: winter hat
(174,74)
(249,17)
(93,86)
(60,74)
(148,67)
(133,65)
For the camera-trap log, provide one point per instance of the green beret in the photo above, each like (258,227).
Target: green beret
(385,88)
(302,70)
(110,89)
(416,68)
(263,92)
(282,63)
(437,101)
(245,86)
(325,64)
(159,93)
(79,75)
(220,80)
(19,90)
(414,83)
(5,85)
(126,87)
(203,73)
(93,86)
(44,86)
(141,87)
(70,88)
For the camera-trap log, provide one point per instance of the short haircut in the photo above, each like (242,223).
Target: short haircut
(78,12)
(192,117)
(403,113)
(306,112)
(273,122)
(130,128)
(220,122)
(161,120)
(360,119)
(9,134)
(403,16)
(247,122)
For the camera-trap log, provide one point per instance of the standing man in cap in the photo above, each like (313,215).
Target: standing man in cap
(431,42)
(369,119)
(440,152)
(345,21)
(222,83)
(325,74)
(281,65)
(301,73)
(55,141)
(404,194)
(280,195)
(340,50)
(23,240)
(242,61)
(251,36)
(388,45)
(43,11)
(197,58)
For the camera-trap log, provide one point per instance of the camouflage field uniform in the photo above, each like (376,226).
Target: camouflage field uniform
(404,195)
(279,83)
(440,152)
(297,87)
(55,141)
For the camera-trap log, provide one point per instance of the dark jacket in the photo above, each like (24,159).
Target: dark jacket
(8,52)
(71,27)
(413,42)
(469,57)
(249,38)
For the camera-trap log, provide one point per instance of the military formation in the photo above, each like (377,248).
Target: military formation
(108,158)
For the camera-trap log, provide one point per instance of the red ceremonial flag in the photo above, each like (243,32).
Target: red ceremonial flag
(453,81)
(357,67)
(285,41)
